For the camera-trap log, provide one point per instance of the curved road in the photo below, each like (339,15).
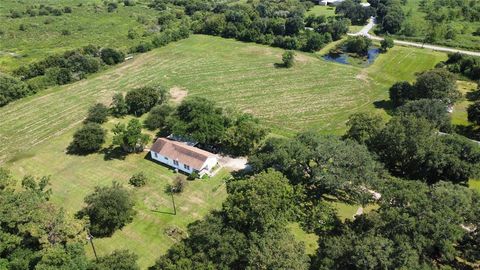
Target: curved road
(371,23)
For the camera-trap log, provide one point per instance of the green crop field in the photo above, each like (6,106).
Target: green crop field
(89,23)
(314,94)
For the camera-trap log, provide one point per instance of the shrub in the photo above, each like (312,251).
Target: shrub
(358,45)
(138,180)
(179,184)
(118,106)
(66,32)
(87,139)
(98,113)
(129,3)
(22,27)
(111,56)
(67,9)
(141,100)
(111,7)
(142,48)
(474,113)
(288,59)
(12,89)
(386,44)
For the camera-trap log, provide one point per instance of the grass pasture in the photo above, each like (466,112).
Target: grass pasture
(74,177)
(89,23)
(314,94)
(319,10)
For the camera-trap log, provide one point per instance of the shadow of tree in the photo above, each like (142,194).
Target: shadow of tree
(473,96)
(112,152)
(386,105)
(472,132)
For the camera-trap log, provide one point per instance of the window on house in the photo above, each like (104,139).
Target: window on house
(175,162)
(155,154)
(186,167)
(166,158)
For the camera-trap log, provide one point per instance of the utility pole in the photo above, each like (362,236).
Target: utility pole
(173,201)
(90,239)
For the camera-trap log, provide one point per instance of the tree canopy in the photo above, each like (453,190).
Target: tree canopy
(108,209)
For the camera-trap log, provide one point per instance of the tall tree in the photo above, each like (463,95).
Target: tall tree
(108,209)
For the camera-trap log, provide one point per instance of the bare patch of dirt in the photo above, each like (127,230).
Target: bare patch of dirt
(177,94)
(300,58)
(363,76)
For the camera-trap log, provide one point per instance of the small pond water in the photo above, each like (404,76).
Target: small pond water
(345,58)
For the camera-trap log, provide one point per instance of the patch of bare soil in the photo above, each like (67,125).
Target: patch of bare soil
(363,76)
(177,94)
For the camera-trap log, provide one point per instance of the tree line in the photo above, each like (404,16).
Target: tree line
(196,119)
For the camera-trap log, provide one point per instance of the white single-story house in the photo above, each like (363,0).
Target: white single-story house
(183,157)
(329,2)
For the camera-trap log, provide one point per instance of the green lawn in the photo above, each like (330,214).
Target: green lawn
(73,177)
(89,23)
(317,10)
(474,184)
(314,94)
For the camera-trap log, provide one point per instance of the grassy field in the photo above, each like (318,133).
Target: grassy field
(73,177)
(464,29)
(314,94)
(89,23)
(322,10)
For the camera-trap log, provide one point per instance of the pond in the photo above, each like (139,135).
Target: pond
(348,59)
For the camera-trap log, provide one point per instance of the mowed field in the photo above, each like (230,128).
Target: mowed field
(314,94)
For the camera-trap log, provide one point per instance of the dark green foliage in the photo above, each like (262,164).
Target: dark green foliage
(130,137)
(434,110)
(223,240)
(386,43)
(108,209)
(469,66)
(157,116)
(112,6)
(243,135)
(474,113)
(362,127)
(12,89)
(117,260)
(260,204)
(138,180)
(354,11)
(401,92)
(433,84)
(416,227)
(358,45)
(322,164)
(288,59)
(200,120)
(67,9)
(111,56)
(142,100)
(437,84)
(129,3)
(6,179)
(35,233)
(59,76)
(411,148)
(118,107)
(316,41)
(87,139)
(98,113)
(335,27)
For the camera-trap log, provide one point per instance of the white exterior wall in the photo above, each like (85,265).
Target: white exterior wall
(169,162)
(210,163)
